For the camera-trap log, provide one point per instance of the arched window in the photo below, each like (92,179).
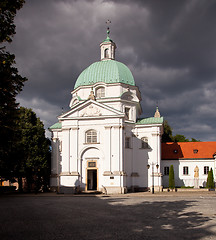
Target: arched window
(144,143)
(106,53)
(91,136)
(100,92)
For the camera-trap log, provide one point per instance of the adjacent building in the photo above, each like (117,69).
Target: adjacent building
(191,161)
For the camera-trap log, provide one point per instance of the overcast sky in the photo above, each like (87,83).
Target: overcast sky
(169,45)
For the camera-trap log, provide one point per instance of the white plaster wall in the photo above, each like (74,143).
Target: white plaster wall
(109,152)
(140,161)
(65,150)
(56,159)
(54,156)
(74,157)
(111,90)
(149,156)
(116,149)
(137,158)
(112,97)
(68,181)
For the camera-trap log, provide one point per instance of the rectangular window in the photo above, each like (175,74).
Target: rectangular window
(100,92)
(166,170)
(127,142)
(185,171)
(206,169)
(127,113)
(91,136)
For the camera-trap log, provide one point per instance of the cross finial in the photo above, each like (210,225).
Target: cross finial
(108,23)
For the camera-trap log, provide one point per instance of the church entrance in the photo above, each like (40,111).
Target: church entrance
(91,179)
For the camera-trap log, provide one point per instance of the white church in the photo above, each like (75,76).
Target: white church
(101,144)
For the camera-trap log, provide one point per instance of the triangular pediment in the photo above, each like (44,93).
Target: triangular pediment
(91,108)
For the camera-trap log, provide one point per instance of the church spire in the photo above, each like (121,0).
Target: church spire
(108,46)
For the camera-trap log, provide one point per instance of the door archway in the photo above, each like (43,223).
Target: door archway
(90,168)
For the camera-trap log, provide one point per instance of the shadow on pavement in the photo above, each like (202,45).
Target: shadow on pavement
(91,217)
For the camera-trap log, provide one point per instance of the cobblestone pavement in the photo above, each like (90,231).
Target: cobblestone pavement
(190,215)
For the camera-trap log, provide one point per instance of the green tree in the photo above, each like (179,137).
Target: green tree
(11,84)
(33,150)
(194,140)
(210,180)
(180,138)
(8,10)
(171,178)
(167,134)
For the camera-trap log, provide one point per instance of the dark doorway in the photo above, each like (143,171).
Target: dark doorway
(92,180)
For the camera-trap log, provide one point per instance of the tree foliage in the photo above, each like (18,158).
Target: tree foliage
(171,178)
(210,180)
(10,85)
(168,135)
(24,150)
(180,138)
(33,149)
(8,10)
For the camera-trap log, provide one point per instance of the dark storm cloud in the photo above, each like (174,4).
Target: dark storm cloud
(170,47)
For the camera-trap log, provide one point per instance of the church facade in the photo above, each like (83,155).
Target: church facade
(101,144)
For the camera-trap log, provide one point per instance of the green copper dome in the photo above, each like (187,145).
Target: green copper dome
(108,71)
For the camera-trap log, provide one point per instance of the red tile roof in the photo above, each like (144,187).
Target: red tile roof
(185,150)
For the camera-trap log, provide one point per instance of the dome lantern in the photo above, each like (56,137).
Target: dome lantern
(108,47)
(107,70)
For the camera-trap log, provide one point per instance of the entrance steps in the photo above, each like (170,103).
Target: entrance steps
(91,192)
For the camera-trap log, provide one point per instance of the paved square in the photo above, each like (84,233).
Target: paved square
(130,216)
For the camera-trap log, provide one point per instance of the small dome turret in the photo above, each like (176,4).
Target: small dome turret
(108,48)
(107,70)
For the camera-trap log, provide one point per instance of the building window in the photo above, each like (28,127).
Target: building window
(127,113)
(127,142)
(206,169)
(100,92)
(144,143)
(185,171)
(106,53)
(166,170)
(91,136)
